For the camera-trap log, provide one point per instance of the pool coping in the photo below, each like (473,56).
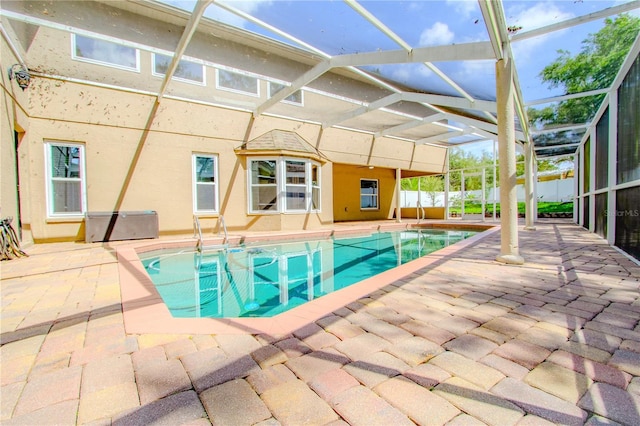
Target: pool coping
(145,312)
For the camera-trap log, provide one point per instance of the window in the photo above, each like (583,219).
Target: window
(65,179)
(104,52)
(187,71)
(235,82)
(315,187)
(284,185)
(294,98)
(368,194)
(296,185)
(205,188)
(264,188)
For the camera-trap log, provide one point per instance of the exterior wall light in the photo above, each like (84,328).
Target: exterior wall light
(22,76)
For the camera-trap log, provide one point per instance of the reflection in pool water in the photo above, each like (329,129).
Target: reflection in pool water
(265,280)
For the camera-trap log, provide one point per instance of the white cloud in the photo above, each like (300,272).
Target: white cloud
(536,16)
(438,34)
(539,15)
(464,8)
(409,72)
(247,6)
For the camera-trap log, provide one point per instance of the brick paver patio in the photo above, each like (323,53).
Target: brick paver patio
(464,341)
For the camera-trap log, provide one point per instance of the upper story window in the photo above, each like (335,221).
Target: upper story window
(187,71)
(236,82)
(283,185)
(205,183)
(368,194)
(104,52)
(66,186)
(295,98)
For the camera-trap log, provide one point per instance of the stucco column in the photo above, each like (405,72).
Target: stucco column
(529,183)
(509,251)
(398,196)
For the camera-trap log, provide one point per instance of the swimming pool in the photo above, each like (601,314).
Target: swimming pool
(268,279)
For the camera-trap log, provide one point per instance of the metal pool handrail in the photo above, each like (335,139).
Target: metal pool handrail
(197,232)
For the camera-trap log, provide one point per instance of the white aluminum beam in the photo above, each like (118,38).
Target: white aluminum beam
(398,40)
(378,24)
(456,52)
(493,27)
(189,30)
(565,97)
(449,81)
(560,129)
(411,124)
(300,82)
(540,148)
(271,28)
(17,50)
(625,7)
(380,103)
(450,101)
(628,62)
(442,137)
(480,139)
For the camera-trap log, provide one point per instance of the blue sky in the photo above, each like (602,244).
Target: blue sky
(335,28)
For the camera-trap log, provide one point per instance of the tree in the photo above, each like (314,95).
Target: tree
(432,185)
(471,163)
(595,67)
(543,165)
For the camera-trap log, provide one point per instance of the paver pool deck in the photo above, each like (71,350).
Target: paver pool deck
(459,340)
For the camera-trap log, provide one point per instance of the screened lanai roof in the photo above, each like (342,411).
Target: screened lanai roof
(433,61)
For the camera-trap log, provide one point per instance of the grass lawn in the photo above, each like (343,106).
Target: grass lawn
(543,207)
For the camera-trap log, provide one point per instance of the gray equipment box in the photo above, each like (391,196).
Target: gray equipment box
(117,226)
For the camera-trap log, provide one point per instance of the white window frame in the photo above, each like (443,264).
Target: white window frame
(300,187)
(250,186)
(281,186)
(286,100)
(230,89)
(48,146)
(103,63)
(315,186)
(377,194)
(174,77)
(196,184)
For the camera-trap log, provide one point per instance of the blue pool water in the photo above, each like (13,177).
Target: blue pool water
(265,280)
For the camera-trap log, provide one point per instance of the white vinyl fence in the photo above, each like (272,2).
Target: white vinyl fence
(560,190)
